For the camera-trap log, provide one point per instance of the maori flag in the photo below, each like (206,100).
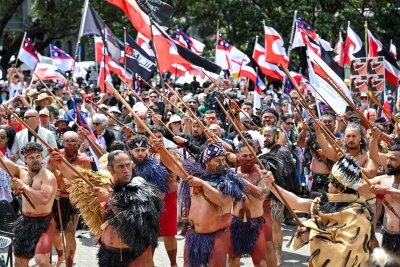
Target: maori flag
(141,12)
(177,59)
(137,60)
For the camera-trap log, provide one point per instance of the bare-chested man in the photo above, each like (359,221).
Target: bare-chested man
(320,165)
(251,228)
(34,230)
(388,185)
(355,144)
(69,213)
(214,187)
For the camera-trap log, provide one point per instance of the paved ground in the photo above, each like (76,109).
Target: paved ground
(86,252)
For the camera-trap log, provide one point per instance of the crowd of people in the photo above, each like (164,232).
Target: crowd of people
(173,156)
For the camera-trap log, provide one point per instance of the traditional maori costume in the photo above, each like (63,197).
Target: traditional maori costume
(157,174)
(244,235)
(69,214)
(341,224)
(33,235)
(200,246)
(391,242)
(134,212)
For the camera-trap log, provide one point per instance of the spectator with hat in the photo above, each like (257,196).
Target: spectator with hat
(44,116)
(43,100)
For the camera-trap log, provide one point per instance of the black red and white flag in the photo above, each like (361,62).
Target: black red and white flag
(138,61)
(353,47)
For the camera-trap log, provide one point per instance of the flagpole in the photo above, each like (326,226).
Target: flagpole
(366,38)
(78,43)
(23,39)
(104,57)
(290,45)
(156,55)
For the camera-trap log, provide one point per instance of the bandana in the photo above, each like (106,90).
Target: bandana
(213,150)
(142,143)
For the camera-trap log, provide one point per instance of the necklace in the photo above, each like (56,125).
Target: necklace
(30,183)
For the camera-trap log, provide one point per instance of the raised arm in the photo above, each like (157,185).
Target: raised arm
(298,203)
(323,143)
(374,154)
(15,169)
(302,137)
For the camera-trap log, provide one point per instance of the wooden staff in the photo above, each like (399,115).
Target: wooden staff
(191,112)
(230,99)
(388,114)
(144,126)
(96,148)
(9,173)
(50,148)
(162,96)
(337,147)
(62,229)
(260,163)
(105,113)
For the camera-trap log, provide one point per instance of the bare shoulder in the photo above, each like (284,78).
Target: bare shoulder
(382,179)
(49,176)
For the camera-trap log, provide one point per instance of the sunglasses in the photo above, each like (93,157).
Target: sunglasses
(289,123)
(192,102)
(295,98)
(28,117)
(2,137)
(96,123)
(364,98)
(176,122)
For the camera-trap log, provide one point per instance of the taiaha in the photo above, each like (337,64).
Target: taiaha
(9,173)
(96,148)
(203,127)
(162,96)
(333,142)
(295,217)
(232,102)
(105,113)
(144,126)
(62,158)
(50,148)
(387,113)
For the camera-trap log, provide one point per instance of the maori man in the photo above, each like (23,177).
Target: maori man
(69,214)
(388,185)
(251,228)
(157,174)
(214,188)
(34,230)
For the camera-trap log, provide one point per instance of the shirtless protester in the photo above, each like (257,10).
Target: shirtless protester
(214,188)
(69,213)
(251,228)
(35,228)
(388,185)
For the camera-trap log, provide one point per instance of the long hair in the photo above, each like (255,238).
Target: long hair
(10,134)
(363,134)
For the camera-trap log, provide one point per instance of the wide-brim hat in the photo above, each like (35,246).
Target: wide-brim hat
(43,96)
(174,118)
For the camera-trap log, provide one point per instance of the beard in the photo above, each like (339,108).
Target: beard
(269,144)
(139,161)
(392,171)
(36,165)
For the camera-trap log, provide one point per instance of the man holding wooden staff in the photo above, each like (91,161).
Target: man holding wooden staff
(34,230)
(69,213)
